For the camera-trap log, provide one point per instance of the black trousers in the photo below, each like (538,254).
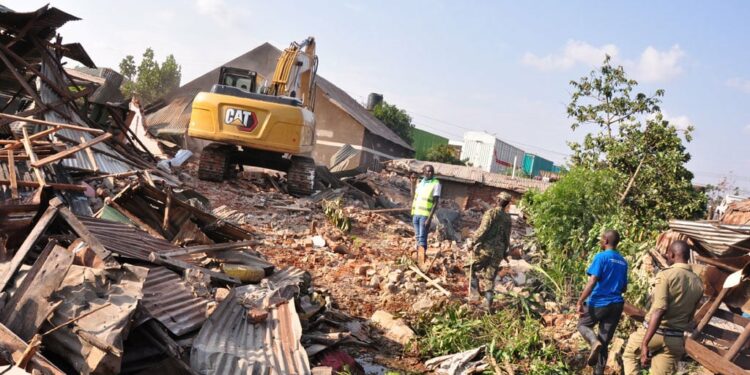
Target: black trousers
(607,318)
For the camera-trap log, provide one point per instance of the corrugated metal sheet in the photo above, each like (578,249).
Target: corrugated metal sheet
(533,165)
(465,174)
(44,18)
(720,240)
(168,299)
(80,160)
(738,213)
(229,344)
(125,240)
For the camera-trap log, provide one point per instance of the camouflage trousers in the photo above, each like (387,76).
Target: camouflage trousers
(484,270)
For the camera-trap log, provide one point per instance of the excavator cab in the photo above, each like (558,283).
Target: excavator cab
(271,127)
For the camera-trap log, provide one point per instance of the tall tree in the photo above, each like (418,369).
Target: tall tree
(443,154)
(632,137)
(396,119)
(149,80)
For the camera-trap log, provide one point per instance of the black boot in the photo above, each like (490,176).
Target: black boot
(596,345)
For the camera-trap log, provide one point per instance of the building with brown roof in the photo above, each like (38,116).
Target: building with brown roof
(340,119)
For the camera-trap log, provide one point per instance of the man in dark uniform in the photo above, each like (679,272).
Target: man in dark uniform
(490,246)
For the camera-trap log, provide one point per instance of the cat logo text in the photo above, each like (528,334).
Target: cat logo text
(245,120)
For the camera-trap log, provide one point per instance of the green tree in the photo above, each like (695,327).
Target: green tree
(632,137)
(443,154)
(148,80)
(395,119)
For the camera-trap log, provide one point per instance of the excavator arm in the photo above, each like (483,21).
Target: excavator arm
(296,71)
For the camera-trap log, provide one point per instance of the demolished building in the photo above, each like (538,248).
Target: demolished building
(341,122)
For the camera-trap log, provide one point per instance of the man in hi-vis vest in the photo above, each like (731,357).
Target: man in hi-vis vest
(426,199)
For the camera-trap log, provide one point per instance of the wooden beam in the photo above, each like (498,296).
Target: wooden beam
(32,157)
(30,305)
(209,248)
(90,154)
(41,134)
(9,341)
(12,175)
(39,228)
(710,360)
(710,313)
(53,185)
(431,281)
(71,151)
(167,205)
(50,123)
(738,344)
(22,81)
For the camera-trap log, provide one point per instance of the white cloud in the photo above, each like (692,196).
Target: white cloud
(210,7)
(741,84)
(653,65)
(573,53)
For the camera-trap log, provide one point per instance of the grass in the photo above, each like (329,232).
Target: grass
(512,335)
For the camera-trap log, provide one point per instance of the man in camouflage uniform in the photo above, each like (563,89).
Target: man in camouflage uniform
(490,245)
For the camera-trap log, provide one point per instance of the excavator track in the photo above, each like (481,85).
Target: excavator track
(301,176)
(215,163)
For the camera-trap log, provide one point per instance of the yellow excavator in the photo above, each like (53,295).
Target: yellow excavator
(270,126)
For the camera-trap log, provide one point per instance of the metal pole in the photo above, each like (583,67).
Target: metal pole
(515,160)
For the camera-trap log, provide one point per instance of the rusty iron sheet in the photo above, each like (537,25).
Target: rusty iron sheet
(168,299)
(229,343)
(718,239)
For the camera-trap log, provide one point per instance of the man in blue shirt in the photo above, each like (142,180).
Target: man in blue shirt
(601,301)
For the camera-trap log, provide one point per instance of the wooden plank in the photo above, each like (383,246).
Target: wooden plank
(430,281)
(22,81)
(53,185)
(710,360)
(18,144)
(738,344)
(70,151)
(710,313)
(209,248)
(167,205)
(90,154)
(28,243)
(84,233)
(12,175)
(30,305)
(12,343)
(50,123)
(32,156)
(731,317)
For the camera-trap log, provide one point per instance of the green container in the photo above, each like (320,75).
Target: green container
(423,141)
(533,165)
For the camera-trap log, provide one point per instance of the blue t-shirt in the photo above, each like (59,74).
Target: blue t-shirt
(611,270)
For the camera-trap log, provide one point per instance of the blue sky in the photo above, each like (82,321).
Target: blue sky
(501,67)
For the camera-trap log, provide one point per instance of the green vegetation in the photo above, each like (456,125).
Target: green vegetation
(149,80)
(395,119)
(334,211)
(443,154)
(628,174)
(512,335)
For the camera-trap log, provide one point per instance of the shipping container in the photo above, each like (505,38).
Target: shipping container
(533,165)
(423,141)
(490,154)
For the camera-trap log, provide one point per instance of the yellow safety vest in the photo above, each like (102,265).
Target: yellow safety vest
(423,199)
